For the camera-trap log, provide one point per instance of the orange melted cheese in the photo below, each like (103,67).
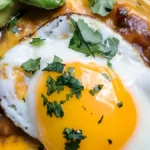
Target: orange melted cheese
(20,85)
(18,143)
(117,125)
(3,74)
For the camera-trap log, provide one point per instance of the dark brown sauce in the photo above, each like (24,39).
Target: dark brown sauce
(135,30)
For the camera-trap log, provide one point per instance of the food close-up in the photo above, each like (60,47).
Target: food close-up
(74,74)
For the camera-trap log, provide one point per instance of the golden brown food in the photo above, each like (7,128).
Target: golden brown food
(130,19)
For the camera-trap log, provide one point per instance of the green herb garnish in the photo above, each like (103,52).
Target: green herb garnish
(74,84)
(53,108)
(12,23)
(51,85)
(73,138)
(90,42)
(15,30)
(109,141)
(109,64)
(107,77)
(37,41)
(101,7)
(96,89)
(32,65)
(55,66)
(120,104)
(101,119)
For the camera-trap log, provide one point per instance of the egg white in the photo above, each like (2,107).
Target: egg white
(127,64)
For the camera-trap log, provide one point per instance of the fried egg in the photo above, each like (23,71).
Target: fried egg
(113,118)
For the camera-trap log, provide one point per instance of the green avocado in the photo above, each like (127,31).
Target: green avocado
(8,8)
(46,4)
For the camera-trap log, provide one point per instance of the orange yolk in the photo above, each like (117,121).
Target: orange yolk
(20,85)
(118,124)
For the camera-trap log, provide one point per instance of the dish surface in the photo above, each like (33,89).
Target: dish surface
(129,77)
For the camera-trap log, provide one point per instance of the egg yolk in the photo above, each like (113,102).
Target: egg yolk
(84,114)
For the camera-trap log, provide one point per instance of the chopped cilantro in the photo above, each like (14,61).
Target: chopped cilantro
(53,108)
(73,145)
(55,66)
(90,42)
(15,29)
(139,3)
(109,141)
(101,119)
(63,102)
(60,88)
(37,41)
(12,23)
(71,71)
(74,84)
(67,99)
(120,104)
(84,108)
(51,85)
(13,107)
(73,138)
(67,96)
(109,64)
(101,7)
(107,77)
(96,89)
(71,134)
(31,65)
(24,99)
(57,59)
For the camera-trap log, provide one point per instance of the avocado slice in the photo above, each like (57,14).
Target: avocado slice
(8,8)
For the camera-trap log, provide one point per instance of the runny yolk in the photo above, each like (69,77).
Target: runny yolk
(117,125)
(20,84)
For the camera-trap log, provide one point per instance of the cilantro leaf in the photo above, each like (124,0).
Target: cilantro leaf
(107,77)
(96,89)
(73,138)
(71,134)
(13,23)
(57,59)
(15,30)
(120,104)
(101,119)
(53,108)
(74,84)
(37,41)
(31,65)
(55,66)
(51,85)
(101,7)
(109,141)
(71,71)
(109,64)
(77,42)
(73,145)
(45,100)
(90,42)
